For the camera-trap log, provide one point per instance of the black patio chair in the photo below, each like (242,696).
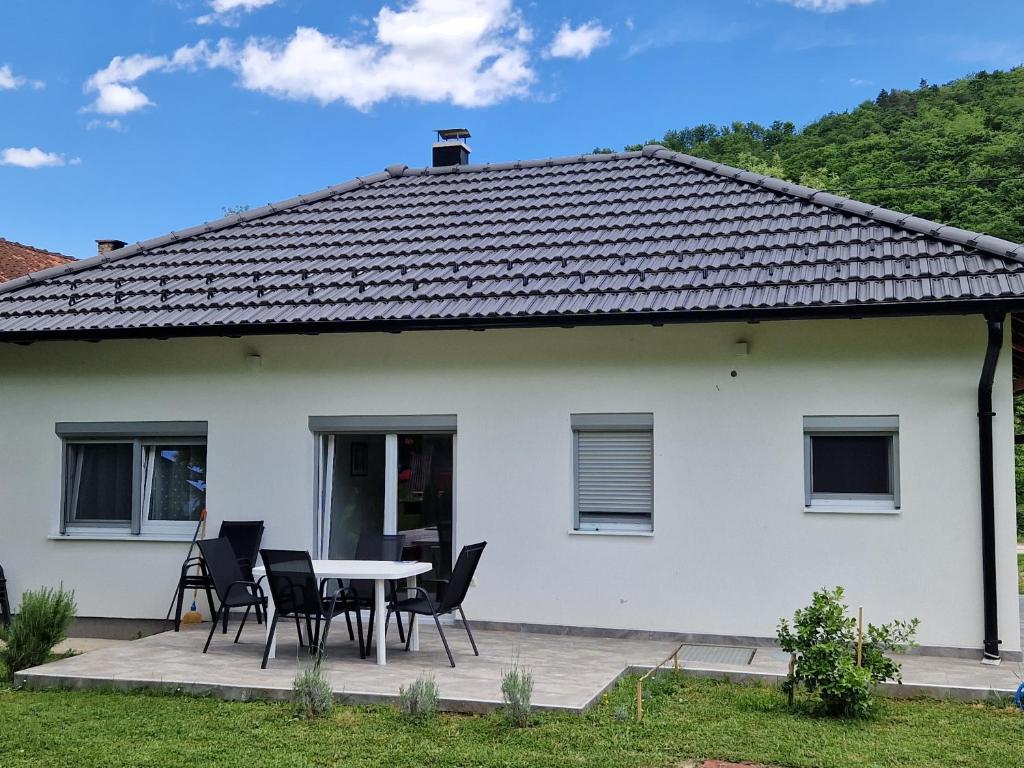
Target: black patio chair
(233,589)
(293,585)
(245,537)
(452,592)
(359,592)
(5,603)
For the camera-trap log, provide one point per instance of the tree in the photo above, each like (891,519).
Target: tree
(954,153)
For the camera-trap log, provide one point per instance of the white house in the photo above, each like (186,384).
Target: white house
(672,396)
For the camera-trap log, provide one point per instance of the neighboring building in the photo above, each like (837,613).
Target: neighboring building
(17,259)
(699,394)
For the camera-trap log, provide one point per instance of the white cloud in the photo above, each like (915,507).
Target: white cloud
(579,42)
(825,6)
(859,81)
(227,11)
(9,81)
(468,52)
(114,85)
(34,157)
(114,125)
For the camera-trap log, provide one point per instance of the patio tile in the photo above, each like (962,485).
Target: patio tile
(570,672)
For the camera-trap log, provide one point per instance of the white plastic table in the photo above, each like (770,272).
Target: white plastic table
(380,572)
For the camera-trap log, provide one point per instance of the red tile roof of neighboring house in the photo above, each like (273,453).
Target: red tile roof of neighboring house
(17,259)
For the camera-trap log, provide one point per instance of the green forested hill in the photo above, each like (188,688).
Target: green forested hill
(908,150)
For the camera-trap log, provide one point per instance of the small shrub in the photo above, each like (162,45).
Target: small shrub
(517,691)
(824,641)
(42,622)
(418,701)
(312,693)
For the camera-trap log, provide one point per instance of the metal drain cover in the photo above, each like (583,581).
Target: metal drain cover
(716,654)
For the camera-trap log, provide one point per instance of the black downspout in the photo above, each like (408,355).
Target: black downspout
(988,510)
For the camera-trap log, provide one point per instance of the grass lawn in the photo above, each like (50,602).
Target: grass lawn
(685,718)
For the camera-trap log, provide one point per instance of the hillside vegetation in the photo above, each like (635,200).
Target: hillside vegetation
(953,153)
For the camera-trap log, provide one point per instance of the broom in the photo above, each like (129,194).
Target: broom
(193,616)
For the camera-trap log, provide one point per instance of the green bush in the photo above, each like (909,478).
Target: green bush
(823,640)
(419,700)
(312,693)
(517,691)
(41,622)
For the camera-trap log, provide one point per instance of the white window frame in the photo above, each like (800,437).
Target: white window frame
(141,436)
(183,528)
(326,428)
(610,422)
(852,426)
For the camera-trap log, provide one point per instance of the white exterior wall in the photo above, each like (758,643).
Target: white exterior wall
(732,550)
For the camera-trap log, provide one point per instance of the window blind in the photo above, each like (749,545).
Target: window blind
(614,478)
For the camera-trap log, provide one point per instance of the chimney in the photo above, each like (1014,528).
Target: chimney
(106,246)
(451,147)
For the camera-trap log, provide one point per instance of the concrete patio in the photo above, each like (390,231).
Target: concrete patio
(570,672)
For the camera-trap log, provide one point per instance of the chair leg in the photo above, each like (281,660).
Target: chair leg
(226,613)
(369,633)
(444,640)
(359,629)
(177,611)
(348,622)
(259,613)
(323,640)
(309,636)
(401,629)
(270,639)
(213,628)
(398,615)
(298,628)
(209,601)
(408,635)
(468,632)
(245,616)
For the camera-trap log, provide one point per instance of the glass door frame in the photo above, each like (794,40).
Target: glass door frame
(326,428)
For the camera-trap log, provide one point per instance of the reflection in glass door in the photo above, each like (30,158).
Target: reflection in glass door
(425,500)
(389,483)
(357,500)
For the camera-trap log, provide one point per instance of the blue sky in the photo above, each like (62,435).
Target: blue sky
(131,118)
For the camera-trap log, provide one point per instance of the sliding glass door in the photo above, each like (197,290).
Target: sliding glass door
(388,482)
(424,503)
(356,504)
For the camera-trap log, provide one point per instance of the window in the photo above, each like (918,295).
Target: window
(613,457)
(133,478)
(851,462)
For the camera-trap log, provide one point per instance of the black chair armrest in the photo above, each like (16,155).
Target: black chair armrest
(257,590)
(441,584)
(192,562)
(426,596)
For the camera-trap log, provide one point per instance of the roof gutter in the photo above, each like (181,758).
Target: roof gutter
(995,323)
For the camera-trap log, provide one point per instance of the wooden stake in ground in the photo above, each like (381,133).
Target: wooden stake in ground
(860,633)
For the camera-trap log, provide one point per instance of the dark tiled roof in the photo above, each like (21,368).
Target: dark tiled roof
(640,237)
(17,259)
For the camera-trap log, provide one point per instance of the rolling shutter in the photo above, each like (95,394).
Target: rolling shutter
(614,478)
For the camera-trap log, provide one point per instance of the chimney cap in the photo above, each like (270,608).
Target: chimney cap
(452,134)
(106,246)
